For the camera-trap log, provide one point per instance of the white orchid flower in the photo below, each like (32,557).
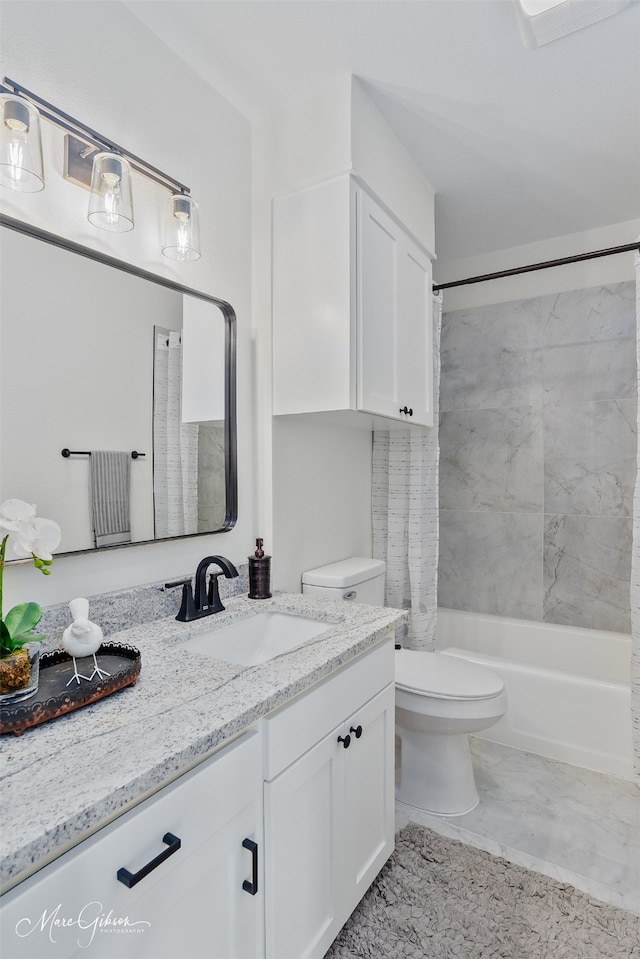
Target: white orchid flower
(15,512)
(28,534)
(39,537)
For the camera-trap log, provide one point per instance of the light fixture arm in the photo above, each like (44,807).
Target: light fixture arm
(91,137)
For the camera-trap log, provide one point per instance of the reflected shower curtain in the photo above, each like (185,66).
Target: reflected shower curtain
(175,444)
(635,573)
(405,513)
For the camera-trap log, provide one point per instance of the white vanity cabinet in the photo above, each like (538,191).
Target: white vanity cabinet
(198,901)
(328,804)
(352,308)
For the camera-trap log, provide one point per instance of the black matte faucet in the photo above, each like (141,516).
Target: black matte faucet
(206,602)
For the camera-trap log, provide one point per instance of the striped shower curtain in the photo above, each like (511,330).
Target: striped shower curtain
(175,444)
(405,513)
(635,572)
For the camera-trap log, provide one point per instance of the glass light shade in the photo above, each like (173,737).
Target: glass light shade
(182,228)
(111,201)
(20,145)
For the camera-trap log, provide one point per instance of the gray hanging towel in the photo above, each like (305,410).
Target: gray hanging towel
(110,497)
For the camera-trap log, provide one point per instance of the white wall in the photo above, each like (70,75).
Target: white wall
(381,161)
(576,276)
(97,62)
(321,495)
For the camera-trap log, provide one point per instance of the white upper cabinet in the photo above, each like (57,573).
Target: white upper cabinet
(352,308)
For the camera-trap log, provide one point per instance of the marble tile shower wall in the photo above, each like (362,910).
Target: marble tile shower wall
(538,458)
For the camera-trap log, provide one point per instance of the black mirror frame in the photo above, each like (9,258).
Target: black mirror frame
(230,419)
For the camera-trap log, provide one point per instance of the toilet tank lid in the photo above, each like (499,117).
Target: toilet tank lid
(347,572)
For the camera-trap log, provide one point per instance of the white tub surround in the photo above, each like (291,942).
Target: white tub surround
(538,457)
(568,688)
(69,777)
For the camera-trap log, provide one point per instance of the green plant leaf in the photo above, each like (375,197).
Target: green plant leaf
(22,619)
(27,637)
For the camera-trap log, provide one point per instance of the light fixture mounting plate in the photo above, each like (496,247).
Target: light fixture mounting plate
(78,160)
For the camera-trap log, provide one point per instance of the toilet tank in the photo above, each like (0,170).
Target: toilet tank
(359,579)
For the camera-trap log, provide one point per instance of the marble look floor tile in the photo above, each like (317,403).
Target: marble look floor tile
(590,457)
(572,824)
(491,460)
(587,569)
(490,563)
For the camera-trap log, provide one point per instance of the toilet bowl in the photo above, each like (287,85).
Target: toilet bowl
(437,706)
(440,700)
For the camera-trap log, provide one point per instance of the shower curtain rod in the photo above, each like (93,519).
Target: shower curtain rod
(627,248)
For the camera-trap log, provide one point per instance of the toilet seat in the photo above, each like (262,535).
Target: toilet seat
(443,677)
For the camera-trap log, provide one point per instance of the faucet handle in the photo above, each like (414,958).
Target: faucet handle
(214,603)
(187,611)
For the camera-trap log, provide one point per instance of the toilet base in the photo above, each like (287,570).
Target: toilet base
(436,773)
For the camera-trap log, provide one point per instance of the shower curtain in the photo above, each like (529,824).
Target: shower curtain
(635,572)
(175,444)
(405,513)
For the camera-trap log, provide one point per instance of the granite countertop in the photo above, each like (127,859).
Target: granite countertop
(64,779)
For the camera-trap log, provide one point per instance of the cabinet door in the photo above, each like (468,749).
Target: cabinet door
(302,847)
(415,333)
(394,319)
(192,903)
(377,309)
(329,829)
(368,807)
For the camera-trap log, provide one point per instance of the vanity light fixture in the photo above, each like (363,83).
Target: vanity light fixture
(111,200)
(20,145)
(93,162)
(182,228)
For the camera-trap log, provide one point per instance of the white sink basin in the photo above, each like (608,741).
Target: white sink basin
(257,639)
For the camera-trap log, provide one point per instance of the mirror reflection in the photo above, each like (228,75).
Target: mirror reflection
(133,377)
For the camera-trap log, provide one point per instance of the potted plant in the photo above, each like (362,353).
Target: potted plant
(32,536)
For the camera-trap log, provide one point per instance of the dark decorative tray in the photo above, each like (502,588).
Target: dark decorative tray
(54,698)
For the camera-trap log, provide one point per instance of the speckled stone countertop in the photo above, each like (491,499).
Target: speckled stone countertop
(64,779)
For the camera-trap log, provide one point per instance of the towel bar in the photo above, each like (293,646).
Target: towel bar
(66,453)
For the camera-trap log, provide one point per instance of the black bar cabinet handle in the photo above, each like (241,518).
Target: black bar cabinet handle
(131,878)
(251,887)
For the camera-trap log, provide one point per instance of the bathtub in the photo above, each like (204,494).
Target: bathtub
(569,689)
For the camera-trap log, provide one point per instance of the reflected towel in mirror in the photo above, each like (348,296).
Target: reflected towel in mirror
(110,497)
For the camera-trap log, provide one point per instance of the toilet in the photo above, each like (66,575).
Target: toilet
(440,700)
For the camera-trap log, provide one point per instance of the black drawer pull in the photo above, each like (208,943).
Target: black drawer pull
(251,887)
(345,740)
(357,731)
(131,878)
(406,410)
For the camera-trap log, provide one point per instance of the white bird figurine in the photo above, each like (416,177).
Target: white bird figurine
(82,638)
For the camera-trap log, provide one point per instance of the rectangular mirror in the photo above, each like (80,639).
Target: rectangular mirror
(117,396)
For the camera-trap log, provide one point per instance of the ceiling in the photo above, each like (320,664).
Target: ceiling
(520,145)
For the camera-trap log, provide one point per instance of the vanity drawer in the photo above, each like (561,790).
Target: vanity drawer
(290,731)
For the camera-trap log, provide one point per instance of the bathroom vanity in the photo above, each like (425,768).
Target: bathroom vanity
(214,809)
